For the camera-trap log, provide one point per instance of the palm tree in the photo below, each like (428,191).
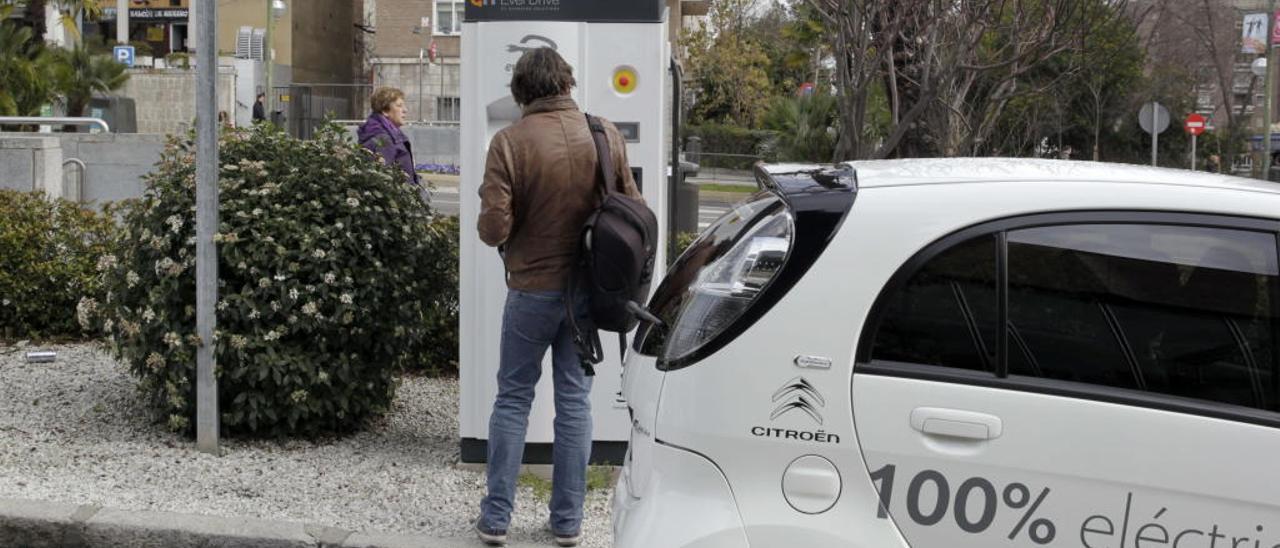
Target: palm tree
(69,11)
(79,74)
(24,70)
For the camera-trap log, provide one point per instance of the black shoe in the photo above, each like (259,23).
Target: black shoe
(492,537)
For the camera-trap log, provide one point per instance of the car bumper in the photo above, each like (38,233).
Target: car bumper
(686,503)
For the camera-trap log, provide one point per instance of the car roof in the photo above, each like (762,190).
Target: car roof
(886,173)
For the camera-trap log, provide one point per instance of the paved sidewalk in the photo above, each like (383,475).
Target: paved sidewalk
(40,524)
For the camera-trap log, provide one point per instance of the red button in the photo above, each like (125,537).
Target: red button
(624,81)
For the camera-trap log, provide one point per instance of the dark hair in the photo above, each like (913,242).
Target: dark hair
(540,73)
(262,94)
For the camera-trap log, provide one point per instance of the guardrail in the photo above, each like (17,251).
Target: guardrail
(55,121)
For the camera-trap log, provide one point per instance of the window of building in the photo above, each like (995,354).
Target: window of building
(448,109)
(1186,311)
(448,17)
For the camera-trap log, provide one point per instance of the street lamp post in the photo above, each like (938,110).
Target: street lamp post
(275,10)
(1266,121)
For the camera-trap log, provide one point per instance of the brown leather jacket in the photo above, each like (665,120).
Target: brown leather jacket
(541,182)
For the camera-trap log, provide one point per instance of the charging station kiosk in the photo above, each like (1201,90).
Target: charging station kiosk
(619,51)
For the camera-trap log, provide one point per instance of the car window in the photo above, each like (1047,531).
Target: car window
(946,314)
(1178,310)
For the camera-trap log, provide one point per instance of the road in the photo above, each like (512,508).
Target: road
(710,207)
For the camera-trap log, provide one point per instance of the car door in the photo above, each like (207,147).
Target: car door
(1133,398)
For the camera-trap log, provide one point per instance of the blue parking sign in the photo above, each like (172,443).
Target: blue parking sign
(124,55)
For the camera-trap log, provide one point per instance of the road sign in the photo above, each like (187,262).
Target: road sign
(1194,124)
(124,55)
(1160,120)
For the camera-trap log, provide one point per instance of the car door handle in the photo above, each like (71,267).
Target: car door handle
(954,423)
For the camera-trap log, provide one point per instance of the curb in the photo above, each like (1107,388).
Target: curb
(42,524)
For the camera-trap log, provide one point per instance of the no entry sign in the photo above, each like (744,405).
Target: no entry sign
(1194,124)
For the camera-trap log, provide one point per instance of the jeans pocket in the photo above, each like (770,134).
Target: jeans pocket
(533,317)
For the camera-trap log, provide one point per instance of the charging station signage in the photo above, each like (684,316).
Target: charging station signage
(591,11)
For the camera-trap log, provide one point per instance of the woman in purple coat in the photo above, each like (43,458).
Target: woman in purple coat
(381,132)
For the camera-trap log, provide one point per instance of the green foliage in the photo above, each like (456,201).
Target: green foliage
(79,74)
(753,145)
(439,347)
(24,69)
(329,267)
(683,240)
(48,256)
(804,127)
(728,68)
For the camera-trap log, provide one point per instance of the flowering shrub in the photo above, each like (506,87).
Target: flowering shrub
(48,253)
(440,345)
(329,269)
(443,169)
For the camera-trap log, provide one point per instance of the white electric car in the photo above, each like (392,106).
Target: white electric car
(964,353)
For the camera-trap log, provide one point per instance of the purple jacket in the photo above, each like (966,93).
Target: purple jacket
(380,135)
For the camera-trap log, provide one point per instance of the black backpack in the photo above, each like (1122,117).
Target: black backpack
(615,261)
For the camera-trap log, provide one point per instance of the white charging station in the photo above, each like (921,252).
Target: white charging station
(620,54)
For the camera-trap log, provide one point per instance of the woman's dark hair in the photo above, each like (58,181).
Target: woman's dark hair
(540,73)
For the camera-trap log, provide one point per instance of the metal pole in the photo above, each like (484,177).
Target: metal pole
(1193,151)
(122,21)
(1155,135)
(422,69)
(266,60)
(1266,122)
(206,225)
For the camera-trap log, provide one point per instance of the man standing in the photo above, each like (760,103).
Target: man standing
(259,109)
(541,182)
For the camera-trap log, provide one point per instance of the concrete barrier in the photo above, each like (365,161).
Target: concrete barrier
(31,162)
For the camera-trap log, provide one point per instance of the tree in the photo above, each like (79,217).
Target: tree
(24,69)
(948,69)
(79,74)
(804,126)
(69,12)
(728,69)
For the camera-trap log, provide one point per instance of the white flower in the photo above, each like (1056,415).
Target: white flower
(293,319)
(238,341)
(257,212)
(280,277)
(310,288)
(345,298)
(271,335)
(222,305)
(242,266)
(174,222)
(309,309)
(148,315)
(6,302)
(319,253)
(330,277)
(275,305)
(253,314)
(264,283)
(155,361)
(339,226)
(172,339)
(132,278)
(106,261)
(293,293)
(353,202)
(107,325)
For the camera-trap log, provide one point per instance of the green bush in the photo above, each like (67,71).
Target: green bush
(804,126)
(747,146)
(440,345)
(329,269)
(48,254)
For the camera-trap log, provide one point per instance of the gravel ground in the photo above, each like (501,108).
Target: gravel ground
(75,431)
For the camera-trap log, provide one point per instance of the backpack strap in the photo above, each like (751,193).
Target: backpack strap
(603,156)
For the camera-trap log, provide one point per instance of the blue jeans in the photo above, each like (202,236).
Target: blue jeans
(532,322)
